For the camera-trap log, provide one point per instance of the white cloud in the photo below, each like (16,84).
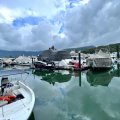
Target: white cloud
(94,23)
(37,37)
(45,8)
(87,22)
(9,37)
(7,15)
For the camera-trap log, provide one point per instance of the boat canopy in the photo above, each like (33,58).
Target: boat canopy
(53,55)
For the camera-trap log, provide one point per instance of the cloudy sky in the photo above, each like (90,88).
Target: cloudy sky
(39,24)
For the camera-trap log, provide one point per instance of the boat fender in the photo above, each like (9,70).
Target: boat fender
(5,98)
(12,97)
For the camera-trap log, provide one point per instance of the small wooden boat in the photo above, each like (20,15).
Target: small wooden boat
(16,100)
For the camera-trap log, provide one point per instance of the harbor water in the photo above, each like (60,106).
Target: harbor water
(67,95)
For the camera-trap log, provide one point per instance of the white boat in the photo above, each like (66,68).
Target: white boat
(1,64)
(20,105)
(118,61)
(100,60)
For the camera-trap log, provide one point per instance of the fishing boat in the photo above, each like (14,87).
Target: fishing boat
(100,60)
(44,65)
(53,59)
(16,100)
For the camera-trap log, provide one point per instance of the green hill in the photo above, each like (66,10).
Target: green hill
(110,47)
(80,48)
(86,49)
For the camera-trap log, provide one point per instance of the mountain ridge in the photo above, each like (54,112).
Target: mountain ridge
(7,53)
(16,53)
(85,49)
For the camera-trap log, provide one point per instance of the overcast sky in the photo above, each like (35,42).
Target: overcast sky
(39,24)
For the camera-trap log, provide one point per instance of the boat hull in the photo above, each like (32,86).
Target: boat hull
(20,109)
(39,65)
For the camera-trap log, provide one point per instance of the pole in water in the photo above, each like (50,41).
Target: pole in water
(79,59)
(118,66)
(80,78)
(118,51)
(32,59)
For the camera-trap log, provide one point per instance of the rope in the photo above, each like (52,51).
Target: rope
(26,78)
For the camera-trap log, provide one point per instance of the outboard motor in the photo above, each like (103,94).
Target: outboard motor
(5,84)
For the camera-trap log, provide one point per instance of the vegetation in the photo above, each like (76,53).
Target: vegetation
(87,49)
(80,48)
(111,48)
(91,49)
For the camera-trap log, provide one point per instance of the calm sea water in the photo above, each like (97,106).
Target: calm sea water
(64,95)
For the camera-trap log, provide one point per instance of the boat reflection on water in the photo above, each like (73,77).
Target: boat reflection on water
(78,74)
(102,78)
(116,72)
(54,76)
(99,78)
